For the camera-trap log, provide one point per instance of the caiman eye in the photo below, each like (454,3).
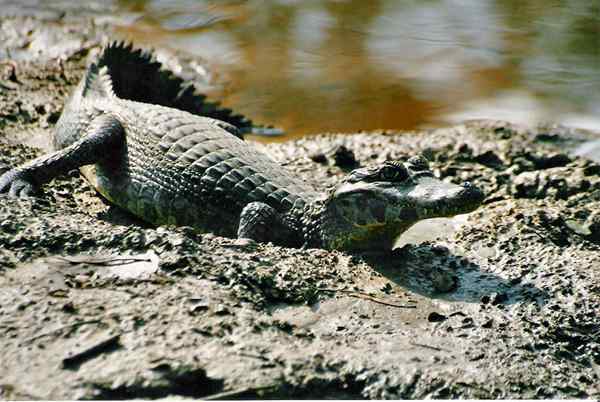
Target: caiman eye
(393,172)
(418,163)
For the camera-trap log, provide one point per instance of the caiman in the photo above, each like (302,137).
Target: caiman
(131,129)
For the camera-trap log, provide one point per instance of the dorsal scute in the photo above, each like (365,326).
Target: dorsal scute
(97,82)
(133,74)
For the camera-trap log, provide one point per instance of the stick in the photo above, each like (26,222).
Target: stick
(104,261)
(428,347)
(72,326)
(365,296)
(234,392)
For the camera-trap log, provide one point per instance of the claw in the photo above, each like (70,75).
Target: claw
(16,185)
(6,180)
(14,189)
(27,190)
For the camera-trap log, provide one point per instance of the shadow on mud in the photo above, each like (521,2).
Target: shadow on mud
(118,216)
(434,272)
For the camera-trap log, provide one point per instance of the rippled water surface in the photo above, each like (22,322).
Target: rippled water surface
(314,66)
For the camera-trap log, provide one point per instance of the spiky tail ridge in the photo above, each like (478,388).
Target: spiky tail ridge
(135,75)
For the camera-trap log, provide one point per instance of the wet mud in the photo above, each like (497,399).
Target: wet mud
(502,303)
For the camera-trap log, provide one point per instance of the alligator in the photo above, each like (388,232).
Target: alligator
(133,131)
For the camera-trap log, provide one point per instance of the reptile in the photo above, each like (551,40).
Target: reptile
(138,137)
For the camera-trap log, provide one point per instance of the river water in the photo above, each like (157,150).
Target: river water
(311,66)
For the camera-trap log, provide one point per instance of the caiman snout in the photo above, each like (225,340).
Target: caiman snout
(434,198)
(373,206)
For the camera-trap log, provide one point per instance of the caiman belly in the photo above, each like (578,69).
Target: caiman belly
(160,205)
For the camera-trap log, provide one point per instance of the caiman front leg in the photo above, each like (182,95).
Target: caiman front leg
(104,134)
(258,221)
(263,223)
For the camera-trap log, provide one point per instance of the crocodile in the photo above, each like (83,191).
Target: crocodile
(134,132)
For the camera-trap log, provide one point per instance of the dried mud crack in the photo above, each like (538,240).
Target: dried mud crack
(95,305)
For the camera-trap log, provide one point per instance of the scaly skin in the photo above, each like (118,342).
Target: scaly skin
(169,166)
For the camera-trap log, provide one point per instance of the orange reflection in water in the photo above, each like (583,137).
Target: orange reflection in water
(344,66)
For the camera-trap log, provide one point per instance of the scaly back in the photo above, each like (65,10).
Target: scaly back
(171,153)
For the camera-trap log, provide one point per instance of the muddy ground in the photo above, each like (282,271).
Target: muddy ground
(502,303)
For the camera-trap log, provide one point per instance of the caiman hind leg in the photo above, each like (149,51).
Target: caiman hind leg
(101,139)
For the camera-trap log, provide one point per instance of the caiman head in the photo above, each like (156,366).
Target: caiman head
(372,206)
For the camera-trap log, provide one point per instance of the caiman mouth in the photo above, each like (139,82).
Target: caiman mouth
(433,198)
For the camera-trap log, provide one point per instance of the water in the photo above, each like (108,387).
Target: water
(342,66)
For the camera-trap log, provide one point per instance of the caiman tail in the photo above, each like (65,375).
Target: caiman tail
(134,74)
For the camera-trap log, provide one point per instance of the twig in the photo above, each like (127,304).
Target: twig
(250,355)
(365,296)
(379,301)
(428,347)
(106,261)
(235,392)
(59,329)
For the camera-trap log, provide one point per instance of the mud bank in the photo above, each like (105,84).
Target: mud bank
(94,304)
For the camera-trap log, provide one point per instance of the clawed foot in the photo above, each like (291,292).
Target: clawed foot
(16,184)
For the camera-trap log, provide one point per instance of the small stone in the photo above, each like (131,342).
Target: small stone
(243,242)
(58,292)
(221,309)
(81,279)
(69,307)
(318,157)
(443,281)
(344,157)
(592,170)
(488,324)
(387,288)
(198,308)
(436,317)
(489,159)
(438,249)
(498,298)
(514,281)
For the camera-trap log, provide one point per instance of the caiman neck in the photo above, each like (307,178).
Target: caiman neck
(324,227)
(312,223)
